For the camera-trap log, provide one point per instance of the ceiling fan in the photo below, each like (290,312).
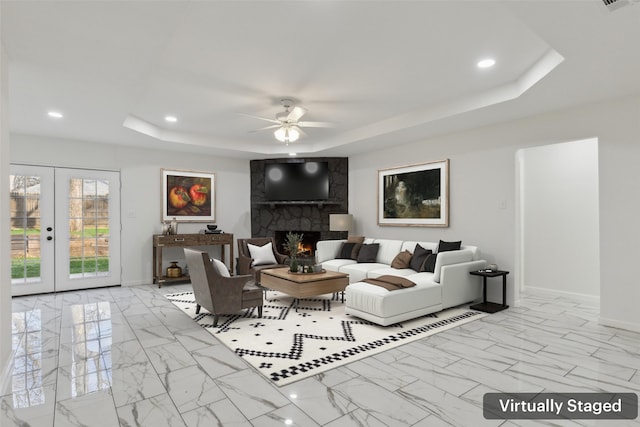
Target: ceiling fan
(287,124)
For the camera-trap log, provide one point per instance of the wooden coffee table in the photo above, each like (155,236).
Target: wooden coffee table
(301,285)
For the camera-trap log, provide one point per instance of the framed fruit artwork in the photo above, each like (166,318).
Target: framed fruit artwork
(188,196)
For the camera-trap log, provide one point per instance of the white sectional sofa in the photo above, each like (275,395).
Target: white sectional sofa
(449,285)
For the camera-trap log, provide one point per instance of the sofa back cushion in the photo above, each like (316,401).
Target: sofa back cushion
(388,250)
(328,249)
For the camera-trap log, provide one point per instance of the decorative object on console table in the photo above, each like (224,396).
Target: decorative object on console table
(188,196)
(491,307)
(174,270)
(166,228)
(292,244)
(340,222)
(415,195)
(160,241)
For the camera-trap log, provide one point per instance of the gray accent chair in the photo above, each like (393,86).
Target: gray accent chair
(216,292)
(244,265)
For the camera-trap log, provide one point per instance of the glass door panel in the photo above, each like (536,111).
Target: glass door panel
(32,229)
(70,242)
(88,250)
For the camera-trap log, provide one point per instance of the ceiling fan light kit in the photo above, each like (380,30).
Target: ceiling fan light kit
(287,122)
(287,134)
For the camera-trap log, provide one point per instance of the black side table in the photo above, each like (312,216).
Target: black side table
(491,307)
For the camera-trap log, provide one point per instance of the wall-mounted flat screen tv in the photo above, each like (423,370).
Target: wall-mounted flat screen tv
(304,181)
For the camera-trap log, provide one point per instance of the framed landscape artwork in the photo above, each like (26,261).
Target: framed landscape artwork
(415,195)
(188,196)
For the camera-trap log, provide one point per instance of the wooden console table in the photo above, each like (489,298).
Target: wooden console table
(161,241)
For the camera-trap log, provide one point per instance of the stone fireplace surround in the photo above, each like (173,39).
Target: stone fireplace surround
(269,217)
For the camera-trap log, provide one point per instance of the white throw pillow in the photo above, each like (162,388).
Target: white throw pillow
(220,267)
(262,254)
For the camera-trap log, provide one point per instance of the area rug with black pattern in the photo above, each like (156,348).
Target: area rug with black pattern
(286,345)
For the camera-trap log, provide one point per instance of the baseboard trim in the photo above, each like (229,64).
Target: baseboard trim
(6,376)
(135,283)
(629,326)
(586,299)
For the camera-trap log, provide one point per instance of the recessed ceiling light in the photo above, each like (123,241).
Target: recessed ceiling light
(486,63)
(171,119)
(55,114)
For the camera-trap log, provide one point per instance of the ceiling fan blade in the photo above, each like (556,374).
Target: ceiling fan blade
(296,114)
(315,124)
(265,128)
(303,133)
(261,118)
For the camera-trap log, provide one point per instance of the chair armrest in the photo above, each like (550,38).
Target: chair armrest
(237,280)
(281,258)
(244,265)
(229,296)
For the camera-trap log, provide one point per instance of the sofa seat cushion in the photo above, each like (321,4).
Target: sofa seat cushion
(358,272)
(402,272)
(380,302)
(424,278)
(337,264)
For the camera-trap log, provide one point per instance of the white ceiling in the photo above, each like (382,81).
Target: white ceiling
(383,72)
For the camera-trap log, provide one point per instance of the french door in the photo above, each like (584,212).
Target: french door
(65,229)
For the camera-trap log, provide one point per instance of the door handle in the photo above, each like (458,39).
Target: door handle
(49,238)
(49,229)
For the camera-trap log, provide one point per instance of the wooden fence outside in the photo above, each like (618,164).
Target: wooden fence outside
(25,214)
(25,211)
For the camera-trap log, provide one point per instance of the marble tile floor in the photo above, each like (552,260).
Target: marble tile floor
(127,356)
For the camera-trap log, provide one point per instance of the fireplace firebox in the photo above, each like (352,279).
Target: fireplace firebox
(307,247)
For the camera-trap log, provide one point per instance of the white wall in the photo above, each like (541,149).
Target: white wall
(5,248)
(140,195)
(619,157)
(482,181)
(559,199)
(483,178)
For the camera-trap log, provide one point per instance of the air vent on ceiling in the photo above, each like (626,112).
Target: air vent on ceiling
(617,4)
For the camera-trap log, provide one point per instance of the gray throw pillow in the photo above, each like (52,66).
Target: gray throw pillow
(419,256)
(368,252)
(429,264)
(449,246)
(345,250)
